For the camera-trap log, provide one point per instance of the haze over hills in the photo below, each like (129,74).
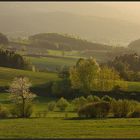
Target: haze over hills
(97,29)
(25,21)
(135,45)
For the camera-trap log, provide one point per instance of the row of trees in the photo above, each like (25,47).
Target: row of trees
(13,60)
(128,66)
(86,77)
(95,107)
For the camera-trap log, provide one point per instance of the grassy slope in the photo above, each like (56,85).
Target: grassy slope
(37,78)
(51,63)
(61,128)
(134,86)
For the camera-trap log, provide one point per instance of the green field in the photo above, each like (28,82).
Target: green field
(133,86)
(71,54)
(51,63)
(59,127)
(37,78)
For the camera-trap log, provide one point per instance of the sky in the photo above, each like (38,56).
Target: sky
(121,10)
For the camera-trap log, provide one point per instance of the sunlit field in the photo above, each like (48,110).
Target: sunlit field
(69,70)
(54,126)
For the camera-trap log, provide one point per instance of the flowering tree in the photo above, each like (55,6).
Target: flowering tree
(20,93)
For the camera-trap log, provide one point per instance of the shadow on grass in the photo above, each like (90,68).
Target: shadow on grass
(82,118)
(17,118)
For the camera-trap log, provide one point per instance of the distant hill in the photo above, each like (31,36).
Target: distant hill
(135,45)
(39,45)
(57,41)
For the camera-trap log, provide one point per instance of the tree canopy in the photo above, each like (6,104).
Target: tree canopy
(88,76)
(13,60)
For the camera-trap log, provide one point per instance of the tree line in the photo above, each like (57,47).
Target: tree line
(128,66)
(13,60)
(86,77)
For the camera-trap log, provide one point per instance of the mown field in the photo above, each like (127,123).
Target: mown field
(60,127)
(58,124)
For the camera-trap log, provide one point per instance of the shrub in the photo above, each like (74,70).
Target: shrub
(3,112)
(17,110)
(79,102)
(90,99)
(62,104)
(75,103)
(107,98)
(42,113)
(95,110)
(135,113)
(121,108)
(51,106)
(82,101)
(28,110)
(96,99)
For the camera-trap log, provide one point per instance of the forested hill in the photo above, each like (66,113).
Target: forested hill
(63,42)
(135,45)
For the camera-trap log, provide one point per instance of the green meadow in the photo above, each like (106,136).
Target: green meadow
(58,124)
(37,78)
(55,126)
(52,63)
(66,124)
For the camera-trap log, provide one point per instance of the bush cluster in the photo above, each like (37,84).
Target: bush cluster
(95,110)
(105,105)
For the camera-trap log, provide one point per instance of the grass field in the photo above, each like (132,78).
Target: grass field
(51,63)
(133,86)
(71,54)
(37,78)
(65,125)
(59,127)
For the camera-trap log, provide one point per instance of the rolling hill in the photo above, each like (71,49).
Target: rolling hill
(62,46)
(57,41)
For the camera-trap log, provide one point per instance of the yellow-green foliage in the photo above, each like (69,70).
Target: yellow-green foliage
(84,74)
(88,76)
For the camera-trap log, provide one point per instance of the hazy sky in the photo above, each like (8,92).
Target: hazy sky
(122,10)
